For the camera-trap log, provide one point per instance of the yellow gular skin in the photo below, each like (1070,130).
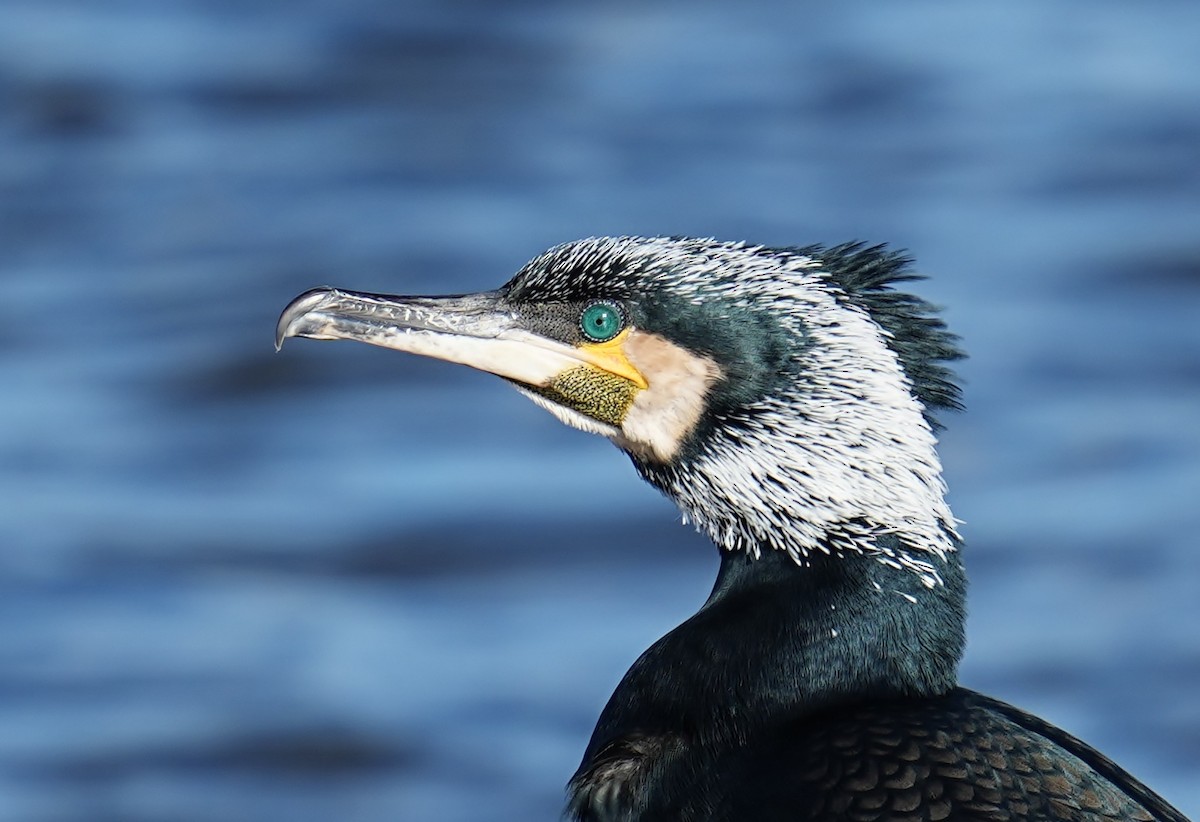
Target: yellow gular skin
(611,357)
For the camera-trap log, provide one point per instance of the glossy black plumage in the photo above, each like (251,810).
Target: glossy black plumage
(958,756)
(726,720)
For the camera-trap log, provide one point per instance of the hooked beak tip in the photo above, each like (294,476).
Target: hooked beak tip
(295,312)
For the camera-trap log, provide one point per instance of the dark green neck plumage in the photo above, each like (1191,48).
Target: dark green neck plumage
(777,637)
(774,642)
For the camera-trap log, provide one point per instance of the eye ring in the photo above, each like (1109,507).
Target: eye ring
(602,320)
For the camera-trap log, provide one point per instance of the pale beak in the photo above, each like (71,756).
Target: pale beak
(478,330)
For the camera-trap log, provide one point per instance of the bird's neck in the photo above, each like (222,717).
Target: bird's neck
(776,641)
(777,638)
(837,627)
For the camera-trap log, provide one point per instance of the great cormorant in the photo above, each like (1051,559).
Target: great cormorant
(785,399)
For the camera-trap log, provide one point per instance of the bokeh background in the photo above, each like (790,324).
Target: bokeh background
(339,583)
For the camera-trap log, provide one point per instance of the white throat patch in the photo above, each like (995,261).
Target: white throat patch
(663,415)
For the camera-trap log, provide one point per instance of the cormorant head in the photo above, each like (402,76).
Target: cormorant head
(784,398)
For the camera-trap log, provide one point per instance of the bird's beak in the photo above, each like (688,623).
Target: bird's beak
(475,329)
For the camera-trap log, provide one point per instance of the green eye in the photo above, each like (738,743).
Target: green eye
(602,321)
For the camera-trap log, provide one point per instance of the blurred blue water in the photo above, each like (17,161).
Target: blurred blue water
(324,584)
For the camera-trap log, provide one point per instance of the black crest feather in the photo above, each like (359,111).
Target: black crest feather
(918,335)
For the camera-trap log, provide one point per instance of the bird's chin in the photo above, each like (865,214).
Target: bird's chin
(569,416)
